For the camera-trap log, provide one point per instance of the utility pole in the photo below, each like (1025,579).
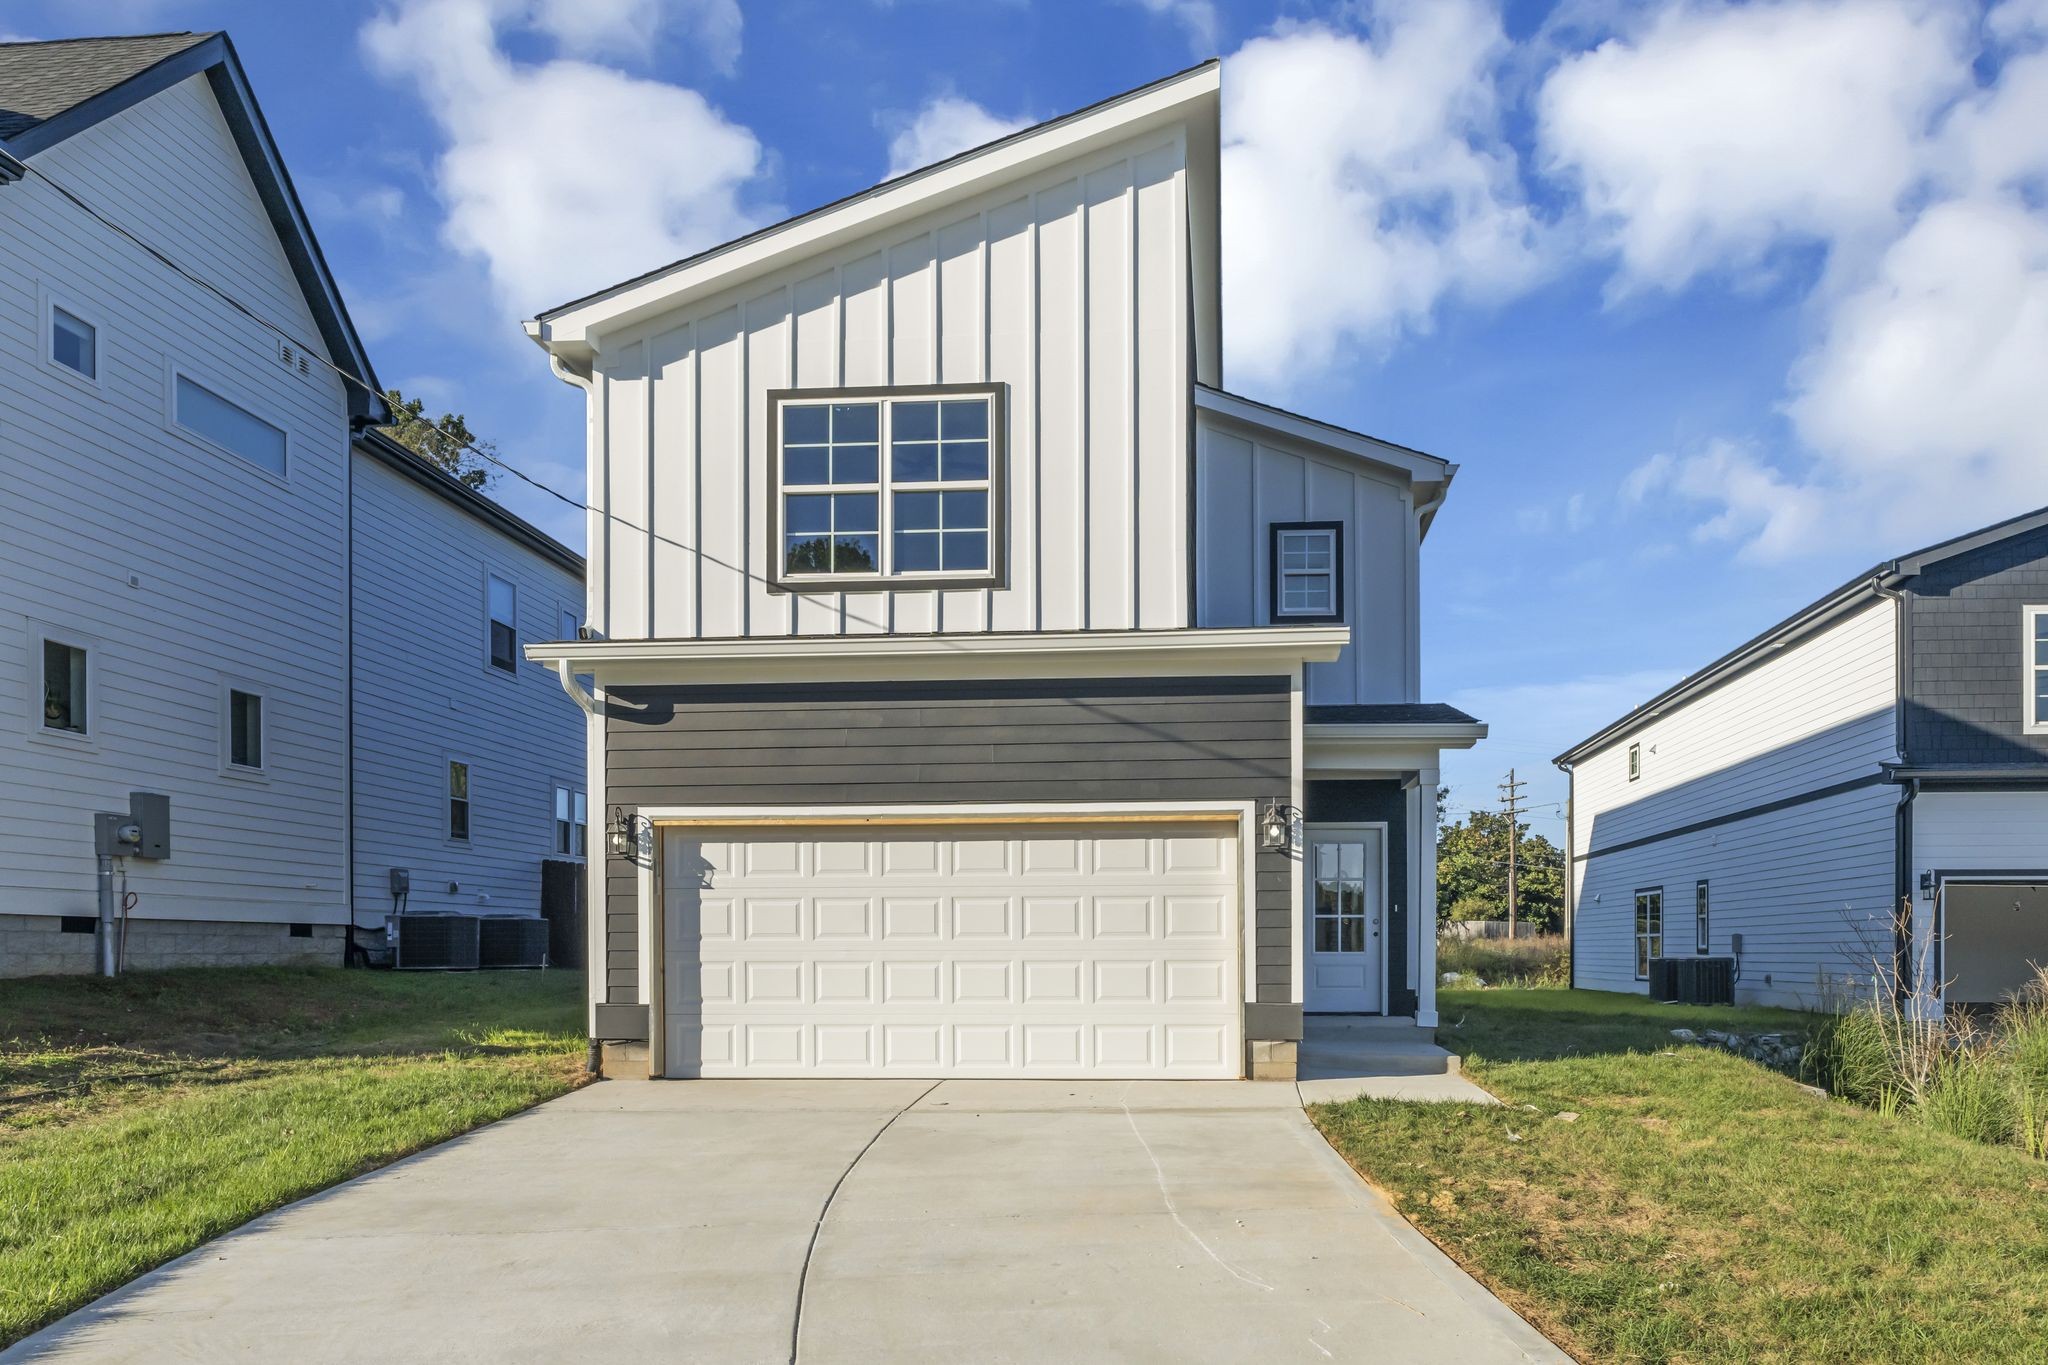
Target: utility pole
(1511,803)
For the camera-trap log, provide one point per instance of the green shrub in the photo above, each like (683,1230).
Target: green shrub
(2027,1051)
(1851,1056)
(1970,1095)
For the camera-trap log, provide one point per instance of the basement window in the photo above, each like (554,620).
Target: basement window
(888,488)
(1305,572)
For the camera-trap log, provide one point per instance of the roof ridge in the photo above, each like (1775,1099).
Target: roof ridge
(112,37)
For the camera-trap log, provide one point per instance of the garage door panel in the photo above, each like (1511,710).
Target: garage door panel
(1062,952)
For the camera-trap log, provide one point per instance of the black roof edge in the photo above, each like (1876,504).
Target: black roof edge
(402,458)
(1807,619)
(214,56)
(1319,422)
(876,188)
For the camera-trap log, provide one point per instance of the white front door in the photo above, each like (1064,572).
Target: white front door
(1346,905)
(955,950)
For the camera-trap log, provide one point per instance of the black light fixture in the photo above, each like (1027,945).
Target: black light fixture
(1276,826)
(625,832)
(1927,886)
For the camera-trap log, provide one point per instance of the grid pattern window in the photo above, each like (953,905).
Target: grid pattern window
(65,688)
(1701,938)
(2035,647)
(1649,929)
(572,822)
(1305,572)
(458,800)
(74,342)
(1339,897)
(502,602)
(245,729)
(888,488)
(230,426)
(1635,761)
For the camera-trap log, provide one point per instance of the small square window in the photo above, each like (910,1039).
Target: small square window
(458,800)
(245,729)
(65,688)
(503,606)
(74,343)
(1306,572)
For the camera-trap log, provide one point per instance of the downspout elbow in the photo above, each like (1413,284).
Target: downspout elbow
(565,672)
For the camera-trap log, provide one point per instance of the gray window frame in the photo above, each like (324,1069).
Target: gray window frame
(1635,762)
(1275,611)
(997,574)
(1702,937)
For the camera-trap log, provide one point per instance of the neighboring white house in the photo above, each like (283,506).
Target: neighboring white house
(1856,798)
(178,570)
(980,688)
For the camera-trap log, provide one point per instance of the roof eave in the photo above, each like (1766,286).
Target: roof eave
(401,459)
(573,330)
(1414,465)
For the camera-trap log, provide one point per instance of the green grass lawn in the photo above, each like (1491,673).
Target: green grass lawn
(141,1116)
(1701,1207)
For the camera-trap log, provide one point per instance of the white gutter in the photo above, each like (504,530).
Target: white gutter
(1098,653)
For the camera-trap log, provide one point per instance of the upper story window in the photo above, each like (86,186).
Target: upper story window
(502,605)
(572,822)
(897,488)
(2034,641)
(230,426)
(1306,572)
(66,693)
(244,717)
(1635,761)
(74,342)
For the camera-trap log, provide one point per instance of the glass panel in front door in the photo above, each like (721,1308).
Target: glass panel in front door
(1340,904)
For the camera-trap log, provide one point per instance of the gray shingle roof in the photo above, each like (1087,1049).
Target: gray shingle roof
(39,81)
(1387,713)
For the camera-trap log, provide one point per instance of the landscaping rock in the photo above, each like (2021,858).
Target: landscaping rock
(1683,1035)
(1567,1116)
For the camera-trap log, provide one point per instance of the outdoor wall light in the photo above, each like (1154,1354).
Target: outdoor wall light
(1276,826)
(625,832)
(1926,886)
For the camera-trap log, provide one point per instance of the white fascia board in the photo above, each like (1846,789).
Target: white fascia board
(1410,464)
(1336,751)
(575,330)
(1258,651)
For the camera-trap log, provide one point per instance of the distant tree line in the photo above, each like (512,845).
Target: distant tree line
(1472,870)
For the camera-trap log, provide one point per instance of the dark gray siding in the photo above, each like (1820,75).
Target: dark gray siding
(1199,739)
(1368,802)
(1965,664)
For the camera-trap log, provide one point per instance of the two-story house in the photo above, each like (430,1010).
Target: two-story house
(1856,799)
(976,686)
(219,583)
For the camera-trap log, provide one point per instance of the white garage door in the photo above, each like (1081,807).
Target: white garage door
(1019,950)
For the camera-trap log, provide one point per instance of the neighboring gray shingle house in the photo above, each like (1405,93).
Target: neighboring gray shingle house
(204,592)
(1858,795)
(982,689)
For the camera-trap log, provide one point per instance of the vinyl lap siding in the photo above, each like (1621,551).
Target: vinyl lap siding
(425,693)
(1070,288)
(1793,880)
(236,575)
(854,744)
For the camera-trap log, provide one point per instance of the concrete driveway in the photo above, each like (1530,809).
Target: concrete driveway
(982,1221)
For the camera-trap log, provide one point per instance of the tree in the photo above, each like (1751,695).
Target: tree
(447,442)
(1472,871)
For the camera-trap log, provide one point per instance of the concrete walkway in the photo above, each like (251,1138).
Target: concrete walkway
(989,1221)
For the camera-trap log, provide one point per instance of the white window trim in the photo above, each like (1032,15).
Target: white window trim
(2029,723)
(1634,760)
(573,786)
(95,658)
(448,795)
(884,487)
(1639,935)
(229,685)
(490,620)
(50,302)
(173,372)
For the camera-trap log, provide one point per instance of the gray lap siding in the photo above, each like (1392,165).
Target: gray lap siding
(829,744)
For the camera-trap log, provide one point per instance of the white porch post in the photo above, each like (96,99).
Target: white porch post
(1423,914)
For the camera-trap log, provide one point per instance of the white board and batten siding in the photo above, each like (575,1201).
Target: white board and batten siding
(1069,288)
(1809,884)
(179,565)
(1246,481)
(427,693)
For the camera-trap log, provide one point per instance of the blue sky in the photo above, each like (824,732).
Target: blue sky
(1714,303)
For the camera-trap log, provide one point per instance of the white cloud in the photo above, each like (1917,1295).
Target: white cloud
(1719,132)
(946,125)
(1773,517)
(1197,17)
(562,176)
(1365,181)
(628,28)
